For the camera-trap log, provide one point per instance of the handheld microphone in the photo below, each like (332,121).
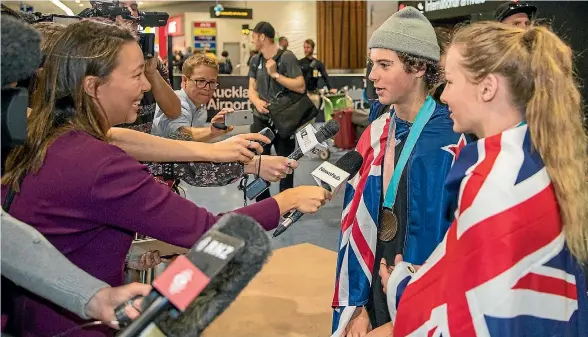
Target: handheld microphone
(202,284)
(327,131)
(21,50)
(331,178)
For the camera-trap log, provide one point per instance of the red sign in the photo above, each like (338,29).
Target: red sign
(181,282)
(204,24)
(175,26)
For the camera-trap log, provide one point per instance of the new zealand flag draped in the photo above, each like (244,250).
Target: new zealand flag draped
(358,225)
(503,268)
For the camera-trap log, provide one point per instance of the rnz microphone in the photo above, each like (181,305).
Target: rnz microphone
(202,284)
(327,131)
(331,178)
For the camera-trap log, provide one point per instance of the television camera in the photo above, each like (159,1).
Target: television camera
(112,10)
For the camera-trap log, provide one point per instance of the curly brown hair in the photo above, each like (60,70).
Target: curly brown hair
(413,64)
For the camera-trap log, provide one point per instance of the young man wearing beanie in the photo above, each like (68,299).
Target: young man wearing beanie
(394,205)
(266,79)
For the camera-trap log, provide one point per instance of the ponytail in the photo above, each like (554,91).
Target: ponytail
(555,118)
(538,66)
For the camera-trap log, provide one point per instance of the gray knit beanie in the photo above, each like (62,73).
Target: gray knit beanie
(407,31)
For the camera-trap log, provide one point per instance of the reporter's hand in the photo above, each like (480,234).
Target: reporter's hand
(261,106)
(359,325)
(146,261)
(237,148)
(220,118)
(306,199)
(101,306)
(273,168)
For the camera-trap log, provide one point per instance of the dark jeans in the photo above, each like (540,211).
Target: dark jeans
(284,147)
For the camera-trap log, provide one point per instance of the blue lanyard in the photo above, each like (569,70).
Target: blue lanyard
(421,120)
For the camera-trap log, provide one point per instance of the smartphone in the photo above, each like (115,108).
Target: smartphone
(268,133)
(239,117)
(255,188)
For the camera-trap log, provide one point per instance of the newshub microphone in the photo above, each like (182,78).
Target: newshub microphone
(307,141)
(331,178)
(202,284)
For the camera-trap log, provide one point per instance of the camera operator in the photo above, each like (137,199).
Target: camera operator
(157,74)
(87,196)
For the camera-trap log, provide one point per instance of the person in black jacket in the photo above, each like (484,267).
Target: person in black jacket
(516,13)
(224,65)
(312,69)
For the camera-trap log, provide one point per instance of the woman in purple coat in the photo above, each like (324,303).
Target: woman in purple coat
(89,197)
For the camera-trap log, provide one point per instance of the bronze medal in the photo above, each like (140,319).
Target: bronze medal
(388,225)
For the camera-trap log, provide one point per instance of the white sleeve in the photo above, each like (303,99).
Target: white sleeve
(397,282)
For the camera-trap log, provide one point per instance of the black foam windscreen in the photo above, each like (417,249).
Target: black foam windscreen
(20,50)
(350,162)
(226,286)
(327,131)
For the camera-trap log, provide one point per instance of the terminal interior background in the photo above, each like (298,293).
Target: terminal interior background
(297,284)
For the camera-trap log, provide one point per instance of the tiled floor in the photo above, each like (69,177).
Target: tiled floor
(320,229)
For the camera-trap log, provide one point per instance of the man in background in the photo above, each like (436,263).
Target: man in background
(157,74)
(312,69)
(516,13)
(269,74)
(283,41)
(225,66)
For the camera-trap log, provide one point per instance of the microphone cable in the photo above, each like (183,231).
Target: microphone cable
(83,326)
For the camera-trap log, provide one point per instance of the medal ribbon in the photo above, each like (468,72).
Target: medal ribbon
(421,120)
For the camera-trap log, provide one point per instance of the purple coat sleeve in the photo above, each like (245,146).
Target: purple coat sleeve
(125,195)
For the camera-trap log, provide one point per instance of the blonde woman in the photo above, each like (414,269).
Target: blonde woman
(510,262)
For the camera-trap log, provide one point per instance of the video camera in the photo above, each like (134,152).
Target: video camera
(111,10)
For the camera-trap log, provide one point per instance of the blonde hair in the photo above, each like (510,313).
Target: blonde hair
(538,66)
(50,33)
(196,60)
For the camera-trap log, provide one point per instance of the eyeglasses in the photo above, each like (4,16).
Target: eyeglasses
(201,84)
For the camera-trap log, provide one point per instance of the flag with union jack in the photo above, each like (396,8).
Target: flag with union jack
(361,207)
(503,268)
(427,170)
